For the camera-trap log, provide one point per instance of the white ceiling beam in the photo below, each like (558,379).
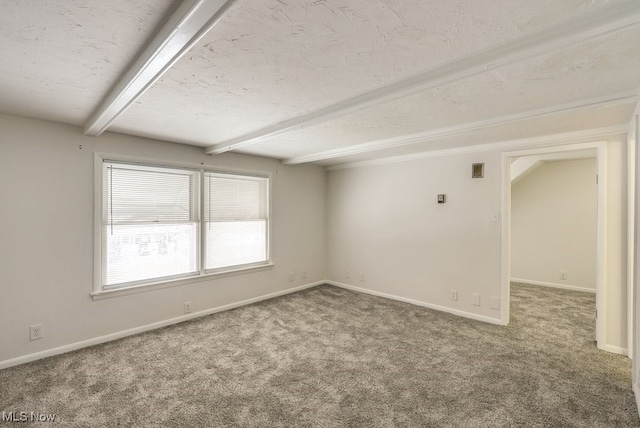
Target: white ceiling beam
(188,24)
(583,137)
(452,131)
(608,19)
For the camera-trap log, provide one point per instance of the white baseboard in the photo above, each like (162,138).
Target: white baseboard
(418,303)
(614,349)
(118,335)
(554,285)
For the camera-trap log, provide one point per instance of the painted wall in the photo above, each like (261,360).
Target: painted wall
(616,245)
(46,237)
(384,222)
(635,139)
(554,225)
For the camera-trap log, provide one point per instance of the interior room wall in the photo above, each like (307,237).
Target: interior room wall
(46,238)
(554,225)
(383,221)
(635,137)
(386,229)
(616,246)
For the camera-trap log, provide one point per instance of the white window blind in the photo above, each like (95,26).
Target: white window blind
(142,194)
(149,224)
(236,220)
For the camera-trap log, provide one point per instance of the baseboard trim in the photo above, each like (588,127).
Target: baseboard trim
(130,332)
(554,285)
(418,303)
(614,349)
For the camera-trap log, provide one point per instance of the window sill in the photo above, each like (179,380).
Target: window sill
(117,292)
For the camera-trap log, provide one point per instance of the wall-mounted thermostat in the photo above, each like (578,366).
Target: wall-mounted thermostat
(442,198)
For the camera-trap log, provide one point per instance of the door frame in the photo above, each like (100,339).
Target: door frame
(601,247)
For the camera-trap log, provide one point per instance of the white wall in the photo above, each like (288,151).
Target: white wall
(46,237)
(384,221)
(616,246)
(554,225)
(635,138)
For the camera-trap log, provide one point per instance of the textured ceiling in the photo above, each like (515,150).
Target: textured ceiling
(590,70)
(59,58)
(269,61)
(559,125)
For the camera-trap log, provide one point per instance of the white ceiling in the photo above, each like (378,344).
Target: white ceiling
(333,81)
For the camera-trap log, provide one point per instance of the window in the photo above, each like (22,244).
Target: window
(160,223)
(235,220)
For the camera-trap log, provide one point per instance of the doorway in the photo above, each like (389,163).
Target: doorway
(555,152)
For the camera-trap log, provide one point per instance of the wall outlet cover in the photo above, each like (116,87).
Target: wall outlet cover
(36,332)
(494,303)
(475,299)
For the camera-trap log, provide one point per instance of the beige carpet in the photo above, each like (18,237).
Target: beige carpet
(328,357)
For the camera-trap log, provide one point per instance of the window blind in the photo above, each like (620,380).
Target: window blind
(150,230)
(141,194)
(236,216)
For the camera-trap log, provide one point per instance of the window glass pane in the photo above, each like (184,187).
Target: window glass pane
(147,252)
(232,243)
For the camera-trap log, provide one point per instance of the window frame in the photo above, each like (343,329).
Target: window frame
(101,290)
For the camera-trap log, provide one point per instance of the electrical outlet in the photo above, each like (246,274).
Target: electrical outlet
(36,332)
(494,303)
(475,299)
(187,307)
(453,295)
(304,274)
(347,275)
(361,276)
(563,274)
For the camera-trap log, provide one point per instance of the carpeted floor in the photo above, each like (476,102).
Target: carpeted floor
(328,357)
